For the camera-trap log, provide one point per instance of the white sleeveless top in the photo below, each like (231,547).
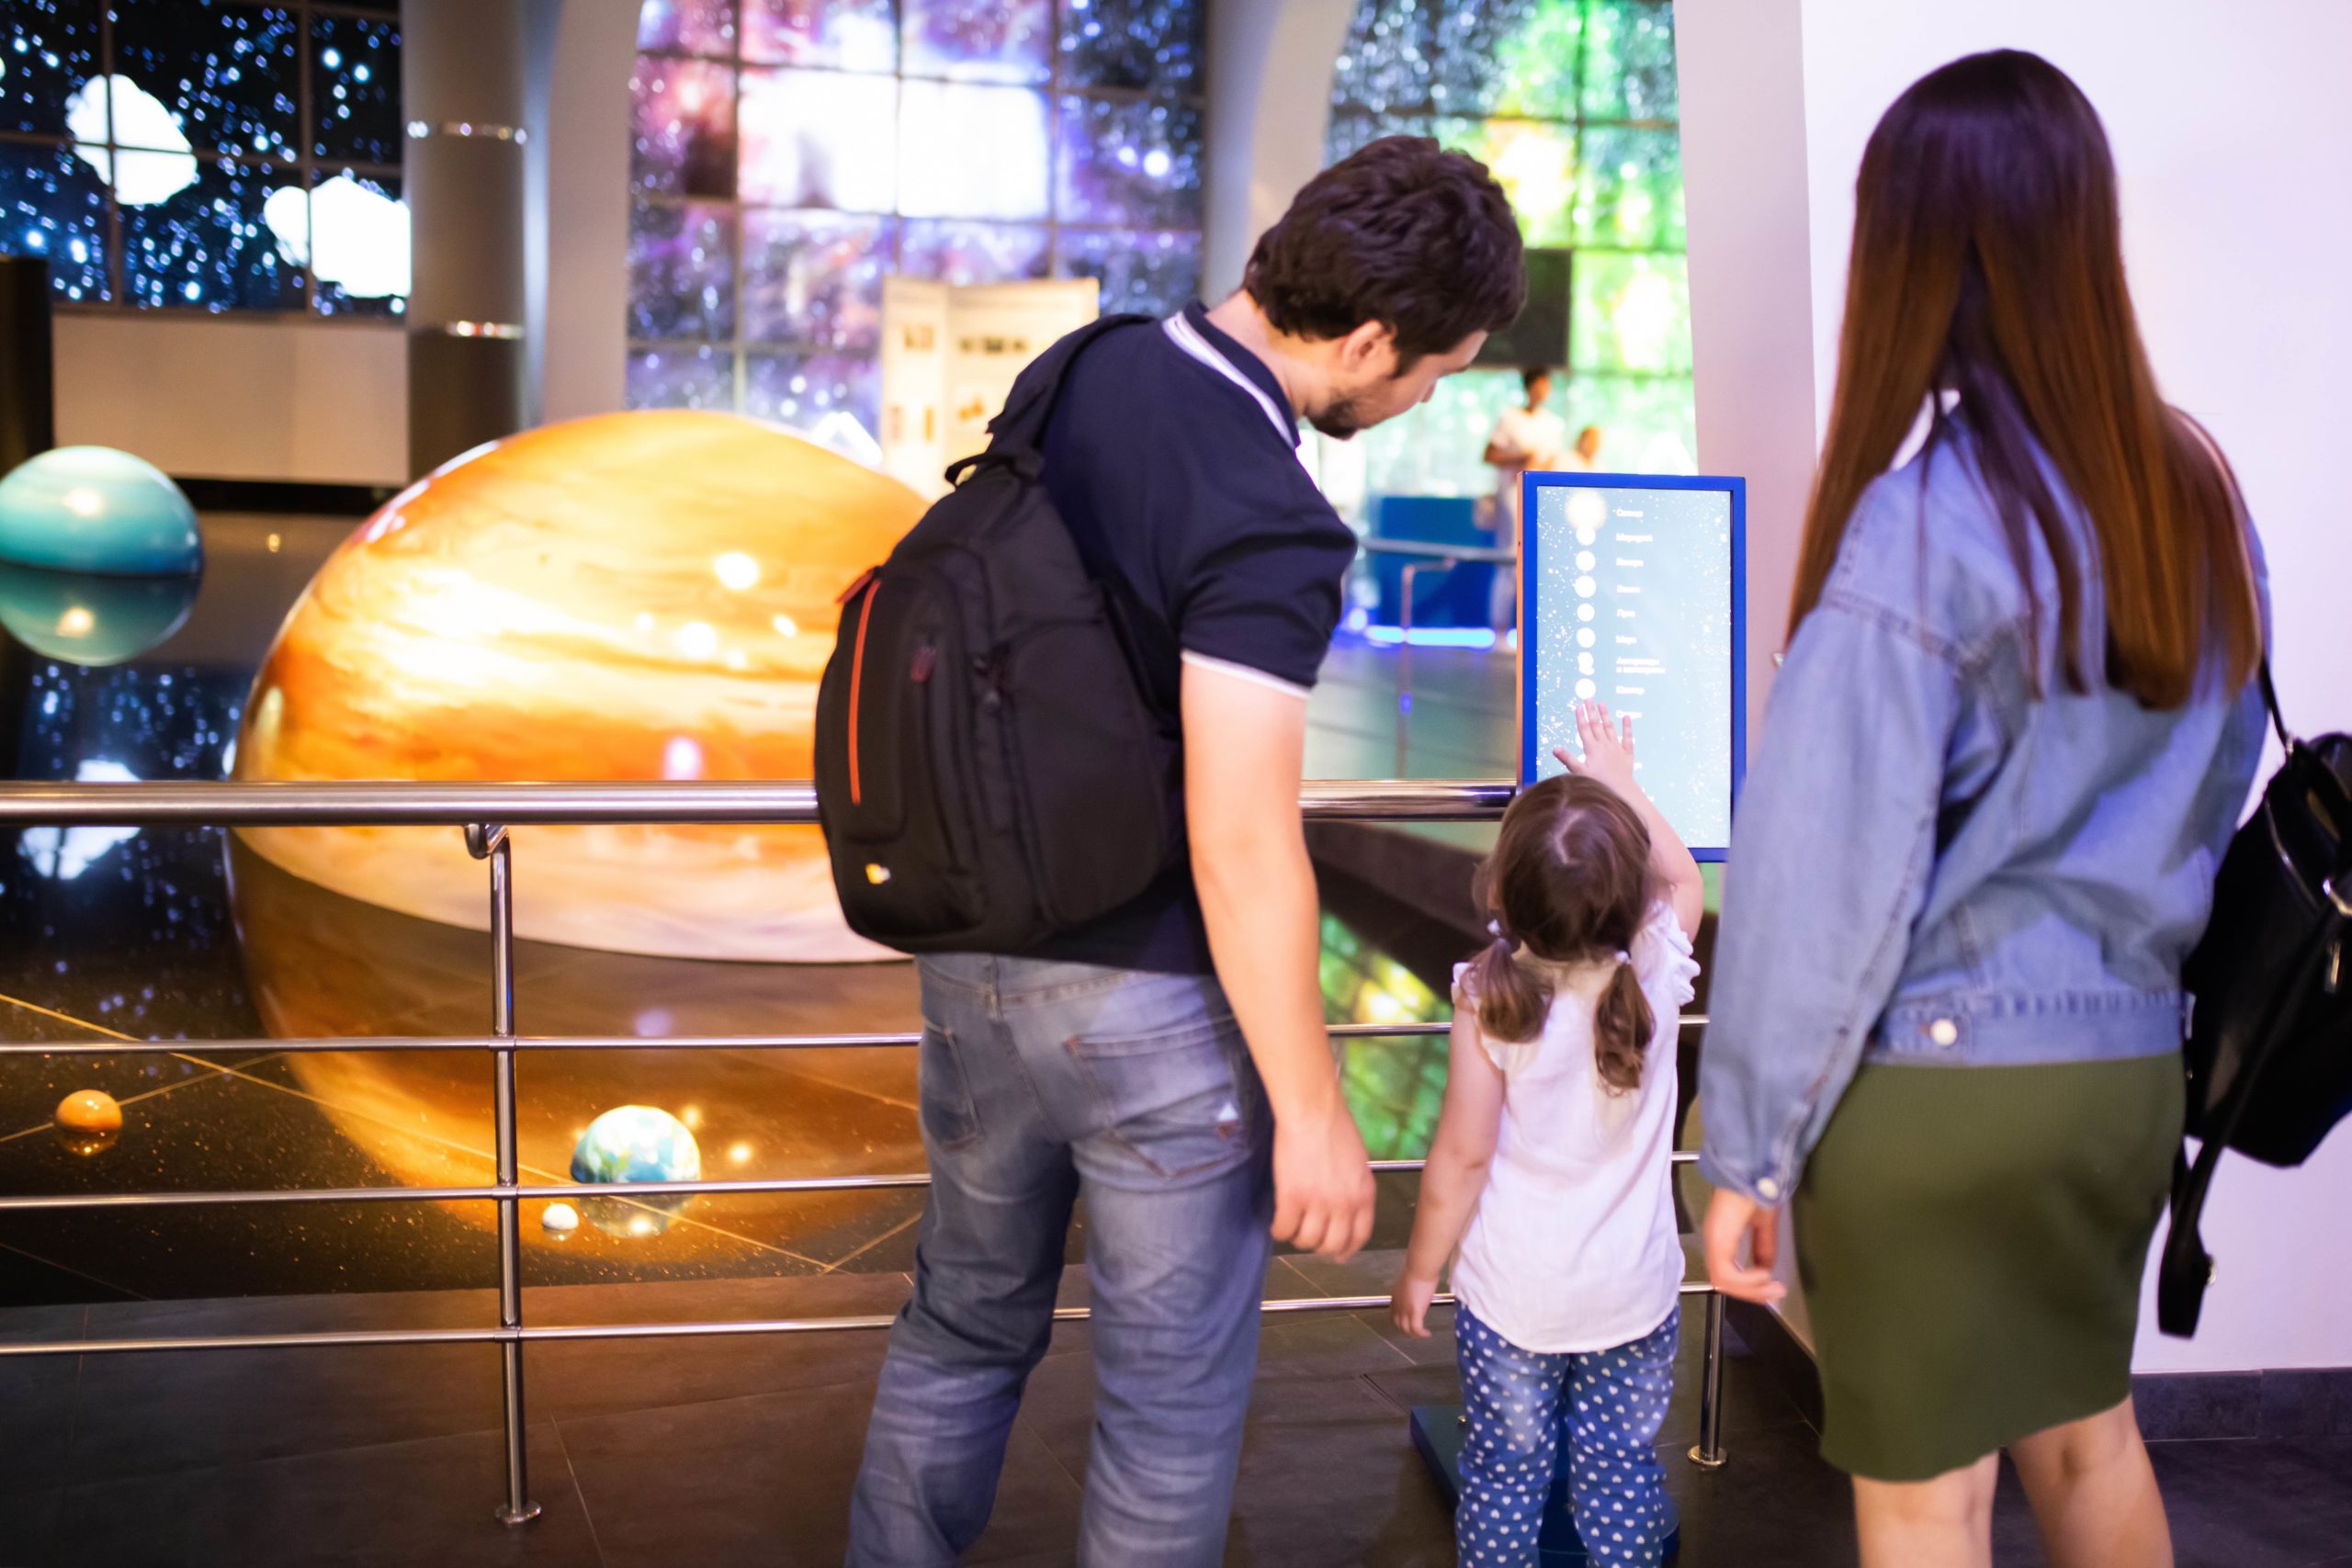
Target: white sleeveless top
(1574,1246)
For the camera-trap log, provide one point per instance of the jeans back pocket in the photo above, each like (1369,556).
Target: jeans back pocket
(1184,1101)
(950,1120)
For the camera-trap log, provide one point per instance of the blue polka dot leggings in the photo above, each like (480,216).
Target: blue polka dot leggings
(1608,1404)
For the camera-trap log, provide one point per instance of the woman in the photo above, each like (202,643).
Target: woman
(2011,738)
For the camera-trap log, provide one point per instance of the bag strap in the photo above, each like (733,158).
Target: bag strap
(2187,1268)
(2270,700)
(1020,428)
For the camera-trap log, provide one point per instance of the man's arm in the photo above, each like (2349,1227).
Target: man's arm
(1245,749)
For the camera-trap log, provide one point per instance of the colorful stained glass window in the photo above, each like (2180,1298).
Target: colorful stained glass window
(846,35)
(1138,272)
(690,377)
(684,122)
(689,27)
(815,279)
(681,271)
(978,41)
(791,156)
(963,253)
(1138,45)
(1631,312)
(967,151)
(1572,104)
(1130,161)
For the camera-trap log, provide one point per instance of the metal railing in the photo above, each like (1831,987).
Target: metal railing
(485,812)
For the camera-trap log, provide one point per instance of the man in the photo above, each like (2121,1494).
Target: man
(1530,436)
(1168,1062)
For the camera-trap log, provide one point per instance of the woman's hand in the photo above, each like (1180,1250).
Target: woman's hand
(1730,1220)
(1607,748)
(1409,1304)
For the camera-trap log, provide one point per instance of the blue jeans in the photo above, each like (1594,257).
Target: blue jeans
(1043,1082)
(1609,1405)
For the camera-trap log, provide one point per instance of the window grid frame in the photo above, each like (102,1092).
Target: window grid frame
(1055,88)
(1425,115)
(306,164)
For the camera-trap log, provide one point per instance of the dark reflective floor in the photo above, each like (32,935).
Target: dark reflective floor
(188,936)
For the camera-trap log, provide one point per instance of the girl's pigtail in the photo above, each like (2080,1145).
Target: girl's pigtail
(1623,1026)
(1513,998)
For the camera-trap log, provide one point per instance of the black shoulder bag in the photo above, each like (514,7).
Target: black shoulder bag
(2269,1049)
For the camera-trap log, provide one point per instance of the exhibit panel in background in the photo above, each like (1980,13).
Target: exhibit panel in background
(949,357)
(2231,134)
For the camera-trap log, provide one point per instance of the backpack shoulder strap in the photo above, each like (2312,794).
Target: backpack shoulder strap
(1022,426)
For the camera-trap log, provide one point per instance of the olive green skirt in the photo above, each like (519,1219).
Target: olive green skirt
(1972,1241)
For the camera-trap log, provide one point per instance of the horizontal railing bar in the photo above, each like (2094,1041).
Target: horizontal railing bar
(494,1336)
(586,1042)
(416,803)
(624,1192)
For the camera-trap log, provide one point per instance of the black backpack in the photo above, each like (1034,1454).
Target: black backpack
(988,773)
(2270,1051)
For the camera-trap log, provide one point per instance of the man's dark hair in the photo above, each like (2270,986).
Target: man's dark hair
(1405,233)
(1533,373)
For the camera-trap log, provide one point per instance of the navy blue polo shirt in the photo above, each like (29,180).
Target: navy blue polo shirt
(1173,457)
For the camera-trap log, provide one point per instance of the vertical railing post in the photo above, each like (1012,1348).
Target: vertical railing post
(1709,1453)
(492,843)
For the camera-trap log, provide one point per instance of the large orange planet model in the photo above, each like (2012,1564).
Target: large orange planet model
(633,596)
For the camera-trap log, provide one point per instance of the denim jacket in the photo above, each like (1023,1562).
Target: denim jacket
(1933,864)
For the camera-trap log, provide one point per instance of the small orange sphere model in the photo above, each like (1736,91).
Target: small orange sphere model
(89,1111)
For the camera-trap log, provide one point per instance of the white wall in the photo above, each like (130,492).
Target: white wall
(2233,133)
(1270,70)
(584,332)
(238,397)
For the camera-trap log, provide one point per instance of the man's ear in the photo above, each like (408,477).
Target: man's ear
(1369,351)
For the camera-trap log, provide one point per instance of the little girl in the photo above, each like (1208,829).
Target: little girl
(1551,1170)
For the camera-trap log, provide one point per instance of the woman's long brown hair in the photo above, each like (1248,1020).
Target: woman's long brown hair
(1987,266)
(1568,883)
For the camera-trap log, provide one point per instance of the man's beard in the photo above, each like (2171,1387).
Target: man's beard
(1342,420)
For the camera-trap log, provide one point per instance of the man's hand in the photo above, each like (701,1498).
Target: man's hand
(1323,1186)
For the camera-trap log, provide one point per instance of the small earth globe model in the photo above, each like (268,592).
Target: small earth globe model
(636,1143)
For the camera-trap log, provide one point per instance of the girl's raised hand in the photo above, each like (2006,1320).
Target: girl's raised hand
(1608,748)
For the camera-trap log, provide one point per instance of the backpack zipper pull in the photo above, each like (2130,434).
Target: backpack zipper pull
(926,657)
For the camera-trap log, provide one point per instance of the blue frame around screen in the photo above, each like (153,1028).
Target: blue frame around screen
(1737,489)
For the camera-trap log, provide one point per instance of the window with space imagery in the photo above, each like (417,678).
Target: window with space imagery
(206,155)
(1573,104)
(789,155)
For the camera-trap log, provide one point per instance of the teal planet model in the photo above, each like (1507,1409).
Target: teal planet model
(79,617)
(96,510)
(636,1143)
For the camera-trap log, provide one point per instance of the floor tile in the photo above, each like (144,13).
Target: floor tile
(768,1479)
(1776,1505)
(393,1506)
(572,1381)
(2257,1503)
(36,1405)
(2198,1406)
(1329,1477)
(154,1413)
(25,1521)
